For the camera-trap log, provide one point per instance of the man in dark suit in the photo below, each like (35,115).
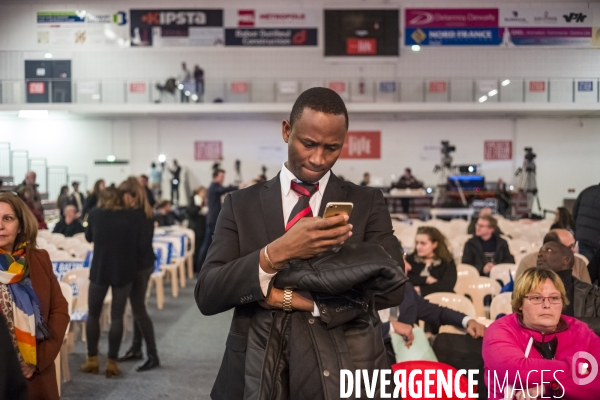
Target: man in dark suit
(215,191)
(263,226)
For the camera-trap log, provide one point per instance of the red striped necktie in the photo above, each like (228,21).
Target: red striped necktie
(302,208)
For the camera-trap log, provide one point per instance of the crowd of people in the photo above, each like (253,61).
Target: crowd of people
(297,282)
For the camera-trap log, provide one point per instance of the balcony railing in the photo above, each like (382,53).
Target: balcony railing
(110,91)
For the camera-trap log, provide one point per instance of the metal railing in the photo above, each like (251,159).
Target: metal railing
(110,91)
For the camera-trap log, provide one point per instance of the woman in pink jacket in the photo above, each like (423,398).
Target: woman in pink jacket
(538,348)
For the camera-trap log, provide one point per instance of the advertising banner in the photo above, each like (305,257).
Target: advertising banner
(271,27)
(96,27)
(497,150)
(547,26)
(452,27)
(176,27)
(362,145)
(208,150)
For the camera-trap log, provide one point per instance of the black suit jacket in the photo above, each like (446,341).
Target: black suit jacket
(214,193)
(249,220)
(414,308)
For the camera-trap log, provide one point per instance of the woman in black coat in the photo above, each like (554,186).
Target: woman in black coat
(197,217)
(433,269)
(118,249)
(135,197)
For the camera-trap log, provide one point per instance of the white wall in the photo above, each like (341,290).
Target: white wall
(567,148)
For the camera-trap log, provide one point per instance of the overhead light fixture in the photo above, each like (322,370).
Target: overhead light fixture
(48,55)
(33,114)
(505,82)
(492,92)
(111,158)
(482,99)
(162,158)
(415,47)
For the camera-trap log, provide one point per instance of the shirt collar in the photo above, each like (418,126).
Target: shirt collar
(286,177)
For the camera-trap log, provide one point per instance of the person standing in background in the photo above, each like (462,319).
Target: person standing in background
(155,180)
(175,180)
(92,201)
(143,179)
(63,199)
(30,183)
(197,221)
(118,256)
(77,199)
(134,197)
(184,78)
(366,179)
(586,214)
(215,191)
(199,78)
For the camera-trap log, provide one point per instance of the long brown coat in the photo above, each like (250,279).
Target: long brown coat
(43,385)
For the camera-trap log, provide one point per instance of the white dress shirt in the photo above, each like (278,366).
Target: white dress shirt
(289,198)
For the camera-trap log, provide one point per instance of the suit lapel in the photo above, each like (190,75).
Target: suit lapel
(272,208)
(336,190)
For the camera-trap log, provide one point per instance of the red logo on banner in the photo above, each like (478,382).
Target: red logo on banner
(238,87)
(361,46)
(36,88)
(437,87)
(246,17)
(336,86)
(208,151)
(537,86)
(299,38)
(362,145)
(138,87)
(497,150)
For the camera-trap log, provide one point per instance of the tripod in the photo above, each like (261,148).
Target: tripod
(445,171)
(527,183)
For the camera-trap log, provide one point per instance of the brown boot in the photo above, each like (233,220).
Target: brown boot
(91,365)
(112,369)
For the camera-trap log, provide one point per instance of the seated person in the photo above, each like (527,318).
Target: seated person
(69,225)
(482,212)
(486,248)
(433,268)
(165,215)
(408,181)
(580,270)
(584,298)
(538,300)
(563,220)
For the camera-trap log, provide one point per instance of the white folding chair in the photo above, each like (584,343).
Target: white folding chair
(79,279)
(189,249)
(466,271)
(169,267)
(67,292)
(80,237)
(584,258)
(177,254)
(44,233)
(157,278)
(477,289)
(503,273)
(501,305)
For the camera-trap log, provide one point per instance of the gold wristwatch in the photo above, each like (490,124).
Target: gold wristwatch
(287,299)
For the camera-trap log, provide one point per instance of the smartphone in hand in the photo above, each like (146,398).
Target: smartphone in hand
(333,209)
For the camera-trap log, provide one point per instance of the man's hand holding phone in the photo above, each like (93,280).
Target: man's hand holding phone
(308,237)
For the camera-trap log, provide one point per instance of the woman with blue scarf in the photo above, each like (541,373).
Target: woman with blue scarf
(30,298)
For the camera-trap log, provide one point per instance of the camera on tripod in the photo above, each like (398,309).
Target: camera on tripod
(529,154)
(447,148)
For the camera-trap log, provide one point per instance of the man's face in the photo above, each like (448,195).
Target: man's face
(551,257)
(483,229)
(70,213)
(30,178)
(220,178)
(75,188)
(314,144)
(567,239)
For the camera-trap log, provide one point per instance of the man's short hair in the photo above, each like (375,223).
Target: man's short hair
(217,171)
(319,99)
(551,237)
(491,221)
(74,183)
